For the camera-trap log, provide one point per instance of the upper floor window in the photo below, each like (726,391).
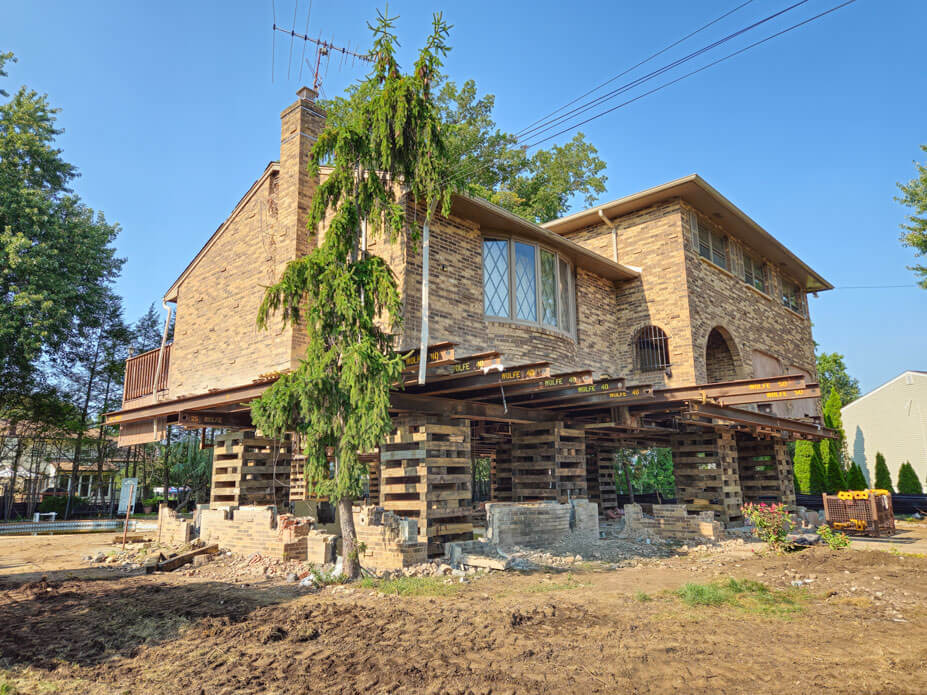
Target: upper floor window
(791,295)
(651,349)
(710,244)
(526,282)
(754,272)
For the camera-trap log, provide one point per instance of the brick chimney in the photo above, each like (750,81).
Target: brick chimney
(300,125)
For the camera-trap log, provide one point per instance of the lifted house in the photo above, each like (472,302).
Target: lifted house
(667,317)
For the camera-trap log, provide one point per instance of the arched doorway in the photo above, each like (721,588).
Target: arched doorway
(721,360)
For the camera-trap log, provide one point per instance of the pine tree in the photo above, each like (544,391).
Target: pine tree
(855,478)
(804,452)
(817,479)
(883,478)
(337,400)
(836,480)
(908,482)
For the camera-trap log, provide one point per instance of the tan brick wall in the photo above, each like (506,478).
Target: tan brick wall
(172,529)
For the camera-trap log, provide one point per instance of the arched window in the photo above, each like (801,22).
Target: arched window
(651,349)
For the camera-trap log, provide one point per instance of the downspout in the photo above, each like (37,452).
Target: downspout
(611,225)
(423,347)
(167,324)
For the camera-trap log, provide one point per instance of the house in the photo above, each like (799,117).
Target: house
(667,317)
(891,419)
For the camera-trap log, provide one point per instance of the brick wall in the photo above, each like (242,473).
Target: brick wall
(672,522)
(391,542)
(173,529)
(247,530)
(540,524)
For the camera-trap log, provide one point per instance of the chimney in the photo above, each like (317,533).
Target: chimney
(300,126)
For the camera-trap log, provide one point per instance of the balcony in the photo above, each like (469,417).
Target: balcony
(141,371)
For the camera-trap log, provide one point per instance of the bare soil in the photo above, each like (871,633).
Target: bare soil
(858,626)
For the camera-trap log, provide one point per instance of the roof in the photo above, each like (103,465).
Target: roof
(697,192)
(887,383)
(488,215)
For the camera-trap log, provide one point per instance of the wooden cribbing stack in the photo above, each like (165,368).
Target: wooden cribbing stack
(425,473)
(707,474)
(501,472)
(548,462)
(600,475)
(247,469)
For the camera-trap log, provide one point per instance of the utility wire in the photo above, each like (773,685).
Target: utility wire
(552,123)
(634,67)
(690,74)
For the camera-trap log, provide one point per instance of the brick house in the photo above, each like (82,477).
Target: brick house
(660,318)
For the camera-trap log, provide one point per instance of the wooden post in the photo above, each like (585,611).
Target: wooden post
(125,527)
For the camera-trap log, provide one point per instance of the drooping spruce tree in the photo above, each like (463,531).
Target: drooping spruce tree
(908,482)
(337,400)
(883,478)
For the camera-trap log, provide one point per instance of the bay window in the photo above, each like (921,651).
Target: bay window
(527,283)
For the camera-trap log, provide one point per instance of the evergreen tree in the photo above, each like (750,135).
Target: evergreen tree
(914,195)
(883,478)
(855,478)
(817,479)
(908,482)
(337,400)
(836,481)
(804,452)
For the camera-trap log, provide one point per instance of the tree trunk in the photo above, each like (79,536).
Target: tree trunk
(167,464)
(102,444)
(348,539)
(627,476)
(75,467)
(11,492)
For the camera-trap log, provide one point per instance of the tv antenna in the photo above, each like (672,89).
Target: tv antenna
(323,49)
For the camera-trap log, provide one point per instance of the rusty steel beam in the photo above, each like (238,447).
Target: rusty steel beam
(748,417)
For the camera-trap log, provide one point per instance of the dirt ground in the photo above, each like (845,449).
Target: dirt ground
(859,625)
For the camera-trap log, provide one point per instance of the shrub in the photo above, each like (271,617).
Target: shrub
(804,452)
(58,504)
(817,479)
(834,539)
(835,478)
(855,478)
(771,523)
(908,483)
(883,479)
(152,501)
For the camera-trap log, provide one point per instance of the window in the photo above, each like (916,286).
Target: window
(791,295)
(651,349)
(754,272)
(525,282)
(710,244)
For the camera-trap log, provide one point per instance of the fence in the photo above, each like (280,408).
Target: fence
(30,527)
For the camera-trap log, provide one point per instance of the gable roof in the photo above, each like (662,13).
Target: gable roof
(700,195)
(918,373)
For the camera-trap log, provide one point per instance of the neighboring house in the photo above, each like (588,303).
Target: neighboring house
(891,419)
(608,320)
(91,485)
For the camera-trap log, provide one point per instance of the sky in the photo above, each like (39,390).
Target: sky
(170,112)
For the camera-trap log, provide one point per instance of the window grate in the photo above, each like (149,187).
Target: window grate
(652,349)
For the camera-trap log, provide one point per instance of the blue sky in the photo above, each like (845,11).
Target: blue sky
(170,113)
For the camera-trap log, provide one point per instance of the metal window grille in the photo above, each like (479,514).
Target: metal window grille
(652,348)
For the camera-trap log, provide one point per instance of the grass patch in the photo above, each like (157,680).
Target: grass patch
(899,553)
(745,595)
(544,587)
(411,586)
(642,596)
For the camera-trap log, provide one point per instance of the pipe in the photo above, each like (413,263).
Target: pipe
(167,324)
(423,346)
(611,225)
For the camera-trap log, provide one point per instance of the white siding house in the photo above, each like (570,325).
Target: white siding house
(891,419)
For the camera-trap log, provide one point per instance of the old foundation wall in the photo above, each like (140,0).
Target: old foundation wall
(247,530)
(538,524)
(671,522)
(172,529)
(390,542)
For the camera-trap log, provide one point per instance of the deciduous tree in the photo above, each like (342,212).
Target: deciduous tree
(833,376)
(914,234)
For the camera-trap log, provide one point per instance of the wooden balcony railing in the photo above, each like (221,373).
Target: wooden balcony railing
(140,373)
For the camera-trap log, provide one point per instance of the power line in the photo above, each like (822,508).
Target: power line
(544,127)
(690,74)
(635,66)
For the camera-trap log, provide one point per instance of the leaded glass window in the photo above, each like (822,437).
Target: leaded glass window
(526,286)
(495,277)
(566,297)
(549,289)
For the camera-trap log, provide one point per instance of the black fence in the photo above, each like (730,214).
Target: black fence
(901,504)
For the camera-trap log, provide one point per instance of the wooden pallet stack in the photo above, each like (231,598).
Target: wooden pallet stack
(500,470)
(707,474)
(759,474)
(600,475)
(247,469)
(425,473)
(592,473)
(372,459)
(548,462)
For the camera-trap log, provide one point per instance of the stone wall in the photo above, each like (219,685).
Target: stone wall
(248,530)
(671,522)
(391,542)
(540,524)
(173,529)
